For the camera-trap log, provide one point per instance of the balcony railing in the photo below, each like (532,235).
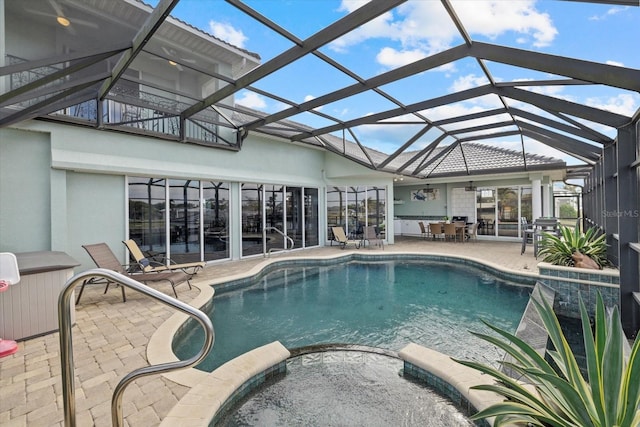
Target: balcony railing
(127,105)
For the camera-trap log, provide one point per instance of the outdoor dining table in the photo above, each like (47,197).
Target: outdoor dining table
(461,229)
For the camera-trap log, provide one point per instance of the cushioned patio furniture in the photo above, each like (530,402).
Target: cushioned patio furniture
(152,266)
(340,237)
(103,257)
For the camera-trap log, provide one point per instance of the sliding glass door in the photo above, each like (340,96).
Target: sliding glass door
(499,210)
(185,220)
(273,214)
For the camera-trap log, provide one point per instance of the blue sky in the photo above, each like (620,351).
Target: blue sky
(594,32)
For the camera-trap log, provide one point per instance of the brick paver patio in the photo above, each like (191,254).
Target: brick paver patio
(110,339)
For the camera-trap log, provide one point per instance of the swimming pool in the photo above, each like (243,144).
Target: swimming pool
(344,388)
(385,304)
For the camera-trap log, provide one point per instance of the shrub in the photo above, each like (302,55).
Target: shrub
(557,250)
(608,397)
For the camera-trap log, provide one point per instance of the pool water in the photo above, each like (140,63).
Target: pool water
(379,304)
(344,388)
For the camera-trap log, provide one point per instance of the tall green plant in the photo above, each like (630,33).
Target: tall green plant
(558,250)
(562,397)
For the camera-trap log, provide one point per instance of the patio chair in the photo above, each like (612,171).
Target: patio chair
(424,232)
(103,257)
(340,237)
(528,234)
(151,266)
(472,232)
(436,230)
(451,231)
(371,235)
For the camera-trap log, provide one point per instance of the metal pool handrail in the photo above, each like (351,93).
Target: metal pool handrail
(66,344)
(264,240)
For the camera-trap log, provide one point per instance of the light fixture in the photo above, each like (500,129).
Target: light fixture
(63,21)
(470,187)
(174,63)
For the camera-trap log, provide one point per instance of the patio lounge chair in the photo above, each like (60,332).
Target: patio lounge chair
(371,236)
(151,266)
(340,237)
(103,257)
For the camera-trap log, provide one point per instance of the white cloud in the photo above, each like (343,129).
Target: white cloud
(421,28)
(311,97)
(468,82)
(617,64)
(251,100)
(609,12)
(624,103)
(228,33)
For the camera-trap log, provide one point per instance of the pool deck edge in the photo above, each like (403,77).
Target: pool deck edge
(199,406)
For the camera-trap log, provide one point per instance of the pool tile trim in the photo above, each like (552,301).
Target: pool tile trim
(449,379)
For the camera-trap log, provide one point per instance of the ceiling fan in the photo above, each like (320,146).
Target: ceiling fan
(171,54)
(63,19)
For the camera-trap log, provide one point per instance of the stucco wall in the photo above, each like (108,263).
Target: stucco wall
(24,191)
(64,186)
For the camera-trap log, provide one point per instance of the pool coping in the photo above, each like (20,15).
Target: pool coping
(209,391)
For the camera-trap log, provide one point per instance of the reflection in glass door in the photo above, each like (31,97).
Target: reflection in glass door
(356,212)
(499,210)
(311,221)
(216,220)
(147,201)
(376,209)
(294,224)
(251,219)
(508,218)
(486,211)
(274,216)
(269,211)
(335,209)
(184,220)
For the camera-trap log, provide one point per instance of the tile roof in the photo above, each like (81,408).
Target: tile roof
(457,160)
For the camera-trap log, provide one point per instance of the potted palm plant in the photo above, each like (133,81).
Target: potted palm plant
(561,249)
(560,396)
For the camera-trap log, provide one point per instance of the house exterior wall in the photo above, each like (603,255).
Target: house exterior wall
(64,186)
(25,181)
